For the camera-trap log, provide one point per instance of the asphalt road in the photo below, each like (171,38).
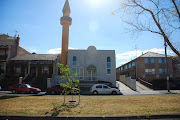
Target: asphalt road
(8,93)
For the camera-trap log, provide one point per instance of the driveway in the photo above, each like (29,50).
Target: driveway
(142,90)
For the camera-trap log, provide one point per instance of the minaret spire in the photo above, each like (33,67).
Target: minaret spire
(66,9)
(65,21)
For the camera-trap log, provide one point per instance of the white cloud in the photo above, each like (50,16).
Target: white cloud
(72,48)
(55,51)
(58,50)
(134,54)
(129,54)
(33,50)
(121,63)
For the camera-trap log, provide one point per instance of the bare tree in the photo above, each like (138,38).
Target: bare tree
(156,16)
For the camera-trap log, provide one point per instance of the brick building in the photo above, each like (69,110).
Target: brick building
(147,67)
(9,48)
(16,62)
(176,67)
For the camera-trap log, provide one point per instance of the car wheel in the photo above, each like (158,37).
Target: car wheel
(53,92)
(95,92)
(32,91)
(114,92)
(13,91)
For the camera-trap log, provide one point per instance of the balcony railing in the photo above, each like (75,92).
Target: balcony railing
(66,18)
(93,78)
(3,57)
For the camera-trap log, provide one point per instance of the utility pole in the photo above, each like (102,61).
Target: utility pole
(167,67)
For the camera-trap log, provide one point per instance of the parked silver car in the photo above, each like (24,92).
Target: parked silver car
(103,89)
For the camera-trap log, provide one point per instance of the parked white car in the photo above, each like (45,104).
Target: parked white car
(103,89)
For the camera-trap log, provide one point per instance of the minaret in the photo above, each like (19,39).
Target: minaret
(65,22)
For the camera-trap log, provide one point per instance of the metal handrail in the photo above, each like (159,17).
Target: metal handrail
(145,82)
(25,76)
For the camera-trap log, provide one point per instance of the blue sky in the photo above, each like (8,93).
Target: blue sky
(38,24)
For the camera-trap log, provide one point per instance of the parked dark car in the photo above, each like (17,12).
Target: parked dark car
(23,88)
(56,89)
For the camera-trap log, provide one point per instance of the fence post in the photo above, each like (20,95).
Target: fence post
(48,82)
(20,80)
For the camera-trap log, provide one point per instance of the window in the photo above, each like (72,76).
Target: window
(99,86)
(129,65)
(149,60)
(73,70)
(74,65)
(29,86)
(81,73)
(161,60)
(2,67)
(17,70)
(105,87)
(143,76)
(108,65)
(133,63)
(46,68)
(24,86)
(121,68)
(108,59)
(74,60)
(125,67)
(146,60)
(149,71)
(162,71)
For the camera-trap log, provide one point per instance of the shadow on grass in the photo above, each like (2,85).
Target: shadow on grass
(57,108)
(7,97)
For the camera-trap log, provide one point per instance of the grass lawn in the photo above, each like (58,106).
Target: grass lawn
(52,106)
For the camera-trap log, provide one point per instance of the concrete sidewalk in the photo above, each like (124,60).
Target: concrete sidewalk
(126,90)
(142,90)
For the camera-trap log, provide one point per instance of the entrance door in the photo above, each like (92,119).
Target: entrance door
(91,72)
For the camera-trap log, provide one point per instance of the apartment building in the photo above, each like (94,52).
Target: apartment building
(147,67)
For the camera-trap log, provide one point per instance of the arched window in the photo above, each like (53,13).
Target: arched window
(108,65)
(108,59)
(74,60)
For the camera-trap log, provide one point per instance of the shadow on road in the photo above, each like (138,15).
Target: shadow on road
(7,97)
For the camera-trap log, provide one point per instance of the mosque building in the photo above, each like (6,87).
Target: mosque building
(92,65)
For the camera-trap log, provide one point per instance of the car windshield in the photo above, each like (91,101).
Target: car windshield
(29,86)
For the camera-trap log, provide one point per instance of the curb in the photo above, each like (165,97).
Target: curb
(66,117)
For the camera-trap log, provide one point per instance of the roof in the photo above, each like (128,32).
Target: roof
(22,51)
(148,54)
(5,37)
(35,57)
(66,6)
(152,54)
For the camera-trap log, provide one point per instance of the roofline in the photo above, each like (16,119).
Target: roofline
(141,57)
